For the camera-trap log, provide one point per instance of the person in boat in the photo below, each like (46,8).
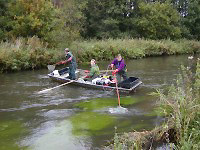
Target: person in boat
(94,70)
(120,66)
(72,64)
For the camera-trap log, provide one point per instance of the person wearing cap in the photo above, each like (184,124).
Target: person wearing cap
(120,66)
(72,64)
(94,70)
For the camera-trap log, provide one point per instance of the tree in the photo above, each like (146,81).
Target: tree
(158,21)
(72,21)
(181,6)
(32,18)
(131,18)
(192,20)
(3,18)
(103,18)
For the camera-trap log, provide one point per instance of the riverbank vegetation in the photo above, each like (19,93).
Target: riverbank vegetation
(180,104)
(32,53)
(23,54)
(132,48)
(96,29)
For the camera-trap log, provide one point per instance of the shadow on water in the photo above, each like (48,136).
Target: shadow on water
(77,118)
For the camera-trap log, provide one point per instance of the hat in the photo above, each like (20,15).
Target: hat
(119,55)
(93,60)
(67,49)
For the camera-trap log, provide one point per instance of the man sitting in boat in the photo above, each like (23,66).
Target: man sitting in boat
(120,66)
(72,64)
(94,70)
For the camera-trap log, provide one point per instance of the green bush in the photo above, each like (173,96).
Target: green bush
(158,21)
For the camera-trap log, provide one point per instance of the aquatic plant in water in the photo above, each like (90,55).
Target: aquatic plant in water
(101,103)
(10,133)
(91,123)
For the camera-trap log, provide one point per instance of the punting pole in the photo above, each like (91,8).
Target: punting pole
(119,109)
(116,83)
(46,90)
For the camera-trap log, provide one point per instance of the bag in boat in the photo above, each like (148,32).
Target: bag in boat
(100,81)
(56,73)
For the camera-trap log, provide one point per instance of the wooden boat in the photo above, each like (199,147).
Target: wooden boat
(127,85)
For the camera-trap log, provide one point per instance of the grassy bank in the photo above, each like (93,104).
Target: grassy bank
(25,54)
(181,104)
(132,48)
(33,54)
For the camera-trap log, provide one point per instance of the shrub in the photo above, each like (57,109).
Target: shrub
(25,54)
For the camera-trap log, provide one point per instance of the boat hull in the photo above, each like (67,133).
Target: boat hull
(94,86)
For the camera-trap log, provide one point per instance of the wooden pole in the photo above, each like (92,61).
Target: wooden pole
(46,90)
(117,89)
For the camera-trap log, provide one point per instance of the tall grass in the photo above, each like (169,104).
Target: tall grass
(23,54)
(131,48)
(182,104)
(32,53)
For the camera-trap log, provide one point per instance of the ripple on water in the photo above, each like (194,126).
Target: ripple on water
(56,135)
(57,113)
(43,76)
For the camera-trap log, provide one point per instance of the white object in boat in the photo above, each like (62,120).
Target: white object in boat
(94,81)
(56,73)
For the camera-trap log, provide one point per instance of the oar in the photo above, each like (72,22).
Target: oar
(46,90)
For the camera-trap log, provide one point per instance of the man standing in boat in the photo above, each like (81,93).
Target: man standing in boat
(94,70)
(120,66)
(72,64)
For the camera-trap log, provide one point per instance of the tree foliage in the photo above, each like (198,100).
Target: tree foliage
(64,21)
(103,18)
(3,18)
(192,19)
(118,18)
(72,21)
(32,18)
(158,21)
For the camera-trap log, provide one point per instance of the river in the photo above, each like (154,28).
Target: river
(74,118)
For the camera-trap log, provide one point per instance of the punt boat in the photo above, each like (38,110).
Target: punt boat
(128,85)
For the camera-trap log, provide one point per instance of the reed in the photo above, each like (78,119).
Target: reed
(24,54)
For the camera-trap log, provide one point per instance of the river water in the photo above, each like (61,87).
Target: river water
(74,118)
